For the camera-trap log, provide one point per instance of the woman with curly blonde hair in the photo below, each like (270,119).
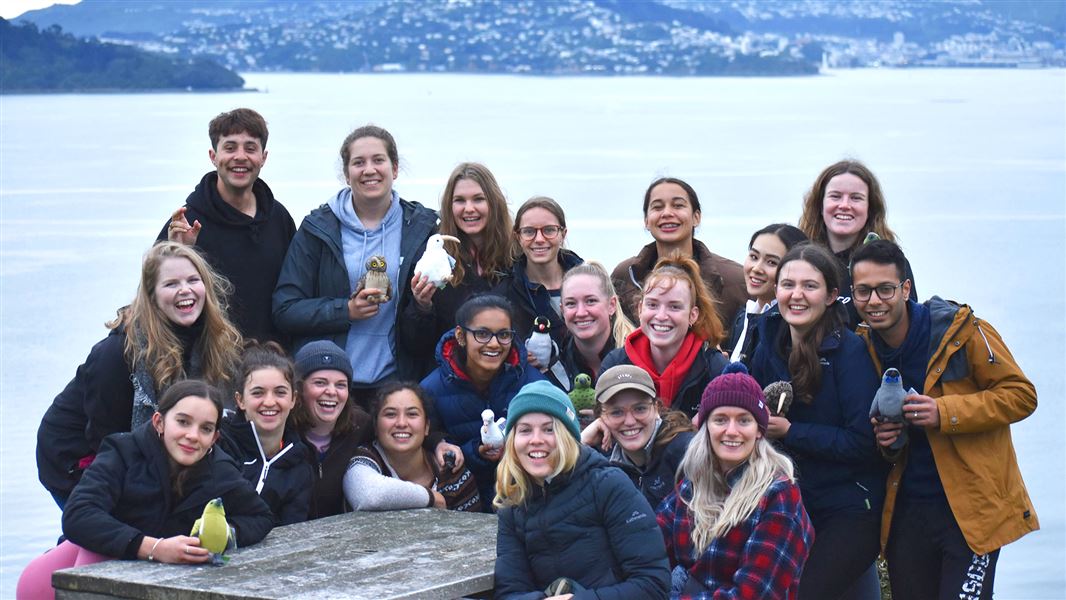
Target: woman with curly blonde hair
(176,327)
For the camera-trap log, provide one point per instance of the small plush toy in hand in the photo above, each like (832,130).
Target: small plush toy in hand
(583,395)
(375,278)
(492,431)
(779,397)
(887,406)
(436,264)
(214,532)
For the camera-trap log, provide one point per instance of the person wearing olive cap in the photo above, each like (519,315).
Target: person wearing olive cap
(569,522)
(735,526)
(646,439)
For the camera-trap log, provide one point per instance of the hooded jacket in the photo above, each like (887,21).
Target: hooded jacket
(247,251)
(830,439)
(283,481)
(724,277)
(311,298)
(458,403)
(590,525)
(708,365)
(979,390)
(657,478)
(126,495)
(531,300)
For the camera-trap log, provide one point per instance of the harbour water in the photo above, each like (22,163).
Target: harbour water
(972,162)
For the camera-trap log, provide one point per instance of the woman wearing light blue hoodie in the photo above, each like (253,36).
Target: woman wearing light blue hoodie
(315,297)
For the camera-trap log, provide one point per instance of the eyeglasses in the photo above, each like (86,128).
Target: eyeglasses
(885,291)
(639,411)
(550,232)
(505,336)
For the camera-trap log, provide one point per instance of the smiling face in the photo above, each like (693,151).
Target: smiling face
(844,208)
(267,399)
(887,317)
(587,310)
(670,216)
(325,392)
(733,432)
(484,360)
(541,250)
(535,445)
(760,267)
(470,208)
(401,424)
(238,158)
(179,291)
(630,416)
(802,296)
(370,172)
(188,430)
(666,313)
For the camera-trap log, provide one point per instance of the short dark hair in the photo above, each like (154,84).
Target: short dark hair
(369,131)
(478,304)
(238,120)
(882,252)
(692,198)
(390,388)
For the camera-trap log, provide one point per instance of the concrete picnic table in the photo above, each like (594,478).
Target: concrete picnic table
(421,553)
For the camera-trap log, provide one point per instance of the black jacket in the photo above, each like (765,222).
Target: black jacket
(286,480)
(590,525)
(659,476)
(247,251)
(532,300)
(126,494)
(707,366)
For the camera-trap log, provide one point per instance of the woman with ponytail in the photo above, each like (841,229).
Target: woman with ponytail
(735,527)
(677,341)
(827,428)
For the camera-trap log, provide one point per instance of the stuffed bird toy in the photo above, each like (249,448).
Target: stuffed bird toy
(375,278)
(887,406)
(436,264)
(214,532)
(492,431)
(540,344)
(779,397)
(583,395)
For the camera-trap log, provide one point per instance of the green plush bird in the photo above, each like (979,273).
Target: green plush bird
(583,395)
(214,531)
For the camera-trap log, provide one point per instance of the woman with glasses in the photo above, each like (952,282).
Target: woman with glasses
(649,441)
(841,208)
(536,279)
(677,341)
(671,215)
(826,430)
(481,365)
(474,210)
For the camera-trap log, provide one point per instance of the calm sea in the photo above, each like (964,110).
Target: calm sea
(973,164)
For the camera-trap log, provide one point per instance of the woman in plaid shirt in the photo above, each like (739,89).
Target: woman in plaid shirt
(735,527)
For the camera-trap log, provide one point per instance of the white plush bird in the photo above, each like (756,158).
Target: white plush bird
(492,431)
(436,263)
(539,345)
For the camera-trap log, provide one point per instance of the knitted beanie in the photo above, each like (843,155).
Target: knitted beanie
(321,355)
(734,387)
(543,397)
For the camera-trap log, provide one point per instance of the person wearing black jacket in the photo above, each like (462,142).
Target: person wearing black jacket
(146,488)
(233,219)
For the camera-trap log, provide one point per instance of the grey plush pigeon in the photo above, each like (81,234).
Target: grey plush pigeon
(887,406)
(778,397)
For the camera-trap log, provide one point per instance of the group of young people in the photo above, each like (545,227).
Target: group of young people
(686,480)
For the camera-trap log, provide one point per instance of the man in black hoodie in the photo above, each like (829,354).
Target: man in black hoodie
(234,220)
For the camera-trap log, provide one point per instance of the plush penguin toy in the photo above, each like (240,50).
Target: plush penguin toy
(540,343)
(375,278)
(887,406)
(214,532)
(583,396)
(492,431)
(436,263)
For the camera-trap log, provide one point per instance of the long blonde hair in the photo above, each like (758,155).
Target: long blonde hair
(621,326)
(715,507)
(513,484)
(151,341)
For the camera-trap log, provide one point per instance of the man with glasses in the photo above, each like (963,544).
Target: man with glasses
(955,493)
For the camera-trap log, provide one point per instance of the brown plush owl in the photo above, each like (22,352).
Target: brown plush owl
(375,277)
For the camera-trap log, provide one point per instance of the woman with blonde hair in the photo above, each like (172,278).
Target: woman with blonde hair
(735,527)
(677,341)
(474,210)
(570,524)
(175,328)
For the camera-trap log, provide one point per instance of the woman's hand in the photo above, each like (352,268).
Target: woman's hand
(179,229)
(595,434)
(438,499)
(533,362)
(360,308)
(423,291)
(490,453)
(443,448)
(180,549)
(777,427)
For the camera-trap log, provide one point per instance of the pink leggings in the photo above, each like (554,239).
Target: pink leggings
(36,579)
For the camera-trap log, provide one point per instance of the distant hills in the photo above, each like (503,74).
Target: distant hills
(52,61)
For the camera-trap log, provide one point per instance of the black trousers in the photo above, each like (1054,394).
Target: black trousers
(928,557)
(845,547)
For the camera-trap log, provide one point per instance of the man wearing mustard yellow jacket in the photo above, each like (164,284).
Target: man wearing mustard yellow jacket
(955,493)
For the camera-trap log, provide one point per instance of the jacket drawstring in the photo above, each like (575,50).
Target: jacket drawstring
(266,463)
(991,356)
